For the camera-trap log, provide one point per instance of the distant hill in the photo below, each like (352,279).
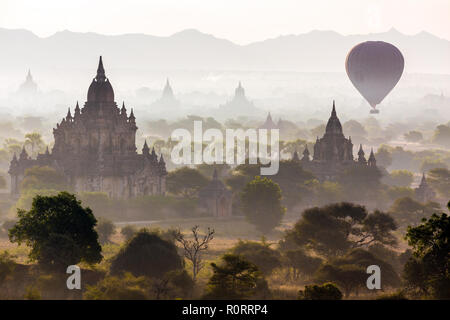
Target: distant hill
(316,51)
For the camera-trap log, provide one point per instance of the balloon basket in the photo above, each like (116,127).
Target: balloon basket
(374,111)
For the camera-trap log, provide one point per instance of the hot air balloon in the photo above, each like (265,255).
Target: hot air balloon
(374,68)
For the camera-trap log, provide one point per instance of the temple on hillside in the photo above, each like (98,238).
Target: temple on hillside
(95,149)
(333,153)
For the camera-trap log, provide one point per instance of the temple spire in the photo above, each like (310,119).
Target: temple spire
(100,69)
(132,117)
(372,162)
(306,153)
(145,148)
(424,180)
(153,156)
(361,155)
(333,112)
(23,154)
(361,151)
(77,107)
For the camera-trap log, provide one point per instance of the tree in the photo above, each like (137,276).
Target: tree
(326,192)
(360,182)
(409,211)
(290,177)
(384,157)
(128,231)
(207,170)
(146,254)
(59,231)
(395,193)
(34,140)
(127,287)
(235,278)
(186,182)
(349,271)
(376,228)
(7,267)
(260,254)
(413,136)
(431,164)
(333,229)
(4,228)
(442,135)
(348,277)
(327,291)
(301,263)
(428,271)
(40,178)
(354,129)
(193,248)
(439,180)
(401,178)
(105,229)
(261,203)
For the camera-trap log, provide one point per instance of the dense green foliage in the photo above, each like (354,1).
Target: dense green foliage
(327,291)
(185,181)
(235,278)
(37,178)
(261,203)
(260,254)
(333,229)
(59,231)
(408,211)
(428,270)
(349,271)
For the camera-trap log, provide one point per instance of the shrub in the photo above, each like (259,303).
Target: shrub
(327,291)
(105,229)
(147,254)
(265,258)
(128,231)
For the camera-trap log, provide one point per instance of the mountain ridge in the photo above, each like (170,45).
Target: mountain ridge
(191,49)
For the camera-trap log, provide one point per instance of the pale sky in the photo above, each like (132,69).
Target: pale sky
(241,21)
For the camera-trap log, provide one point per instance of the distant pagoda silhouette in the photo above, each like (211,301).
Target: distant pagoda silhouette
(239,104)
(167,99)
(333,153)
(29,87)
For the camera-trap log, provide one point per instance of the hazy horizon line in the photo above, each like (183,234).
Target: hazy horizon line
(390,30)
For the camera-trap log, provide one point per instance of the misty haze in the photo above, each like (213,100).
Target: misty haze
(87,133)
